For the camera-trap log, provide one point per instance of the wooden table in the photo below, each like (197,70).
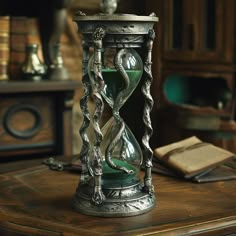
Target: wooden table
(37,201)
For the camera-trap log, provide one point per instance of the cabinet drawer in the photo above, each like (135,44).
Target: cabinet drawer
(27,124)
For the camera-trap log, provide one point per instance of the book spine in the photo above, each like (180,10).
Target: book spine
(17,45)
(4,46)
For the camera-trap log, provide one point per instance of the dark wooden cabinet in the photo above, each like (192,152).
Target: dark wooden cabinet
(198,30)
(194,71)
(36,118)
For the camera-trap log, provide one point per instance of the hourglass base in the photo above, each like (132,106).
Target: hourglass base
(120,201)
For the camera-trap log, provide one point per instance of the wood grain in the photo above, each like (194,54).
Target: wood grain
(37,200)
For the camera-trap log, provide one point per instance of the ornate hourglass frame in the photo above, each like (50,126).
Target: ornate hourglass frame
(110,185)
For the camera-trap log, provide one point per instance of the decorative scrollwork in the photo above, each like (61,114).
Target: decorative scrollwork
(151,36)
(99,34)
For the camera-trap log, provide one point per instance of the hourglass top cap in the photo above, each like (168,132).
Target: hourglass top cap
(118,30)
(80,16)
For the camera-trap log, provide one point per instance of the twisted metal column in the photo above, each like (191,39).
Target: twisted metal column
(148,104)
(98,35)
(84,153)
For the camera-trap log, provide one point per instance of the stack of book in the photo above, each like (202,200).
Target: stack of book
(195,160)
(17,45)
(4,46)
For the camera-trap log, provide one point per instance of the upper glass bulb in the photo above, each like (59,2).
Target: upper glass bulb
(113,78)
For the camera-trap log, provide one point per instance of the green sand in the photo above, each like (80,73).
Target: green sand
(110,174)
(114,83)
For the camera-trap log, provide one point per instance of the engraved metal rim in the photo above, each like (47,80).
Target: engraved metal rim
(115,204)
(125,17)
(106,210)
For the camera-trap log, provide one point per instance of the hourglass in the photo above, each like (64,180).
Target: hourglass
(110,183)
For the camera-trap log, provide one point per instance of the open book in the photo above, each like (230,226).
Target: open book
(191,158)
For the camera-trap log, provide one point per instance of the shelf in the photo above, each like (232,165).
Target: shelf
(41,86)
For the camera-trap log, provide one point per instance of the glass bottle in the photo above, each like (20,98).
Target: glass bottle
(56,70)
(33,68)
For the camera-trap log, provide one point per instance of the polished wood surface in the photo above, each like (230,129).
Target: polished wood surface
(37,201)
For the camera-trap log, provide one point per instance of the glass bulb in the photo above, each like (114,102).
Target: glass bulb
(121,72)
(127,153)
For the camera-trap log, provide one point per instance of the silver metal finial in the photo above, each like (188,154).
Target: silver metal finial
(108,6)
